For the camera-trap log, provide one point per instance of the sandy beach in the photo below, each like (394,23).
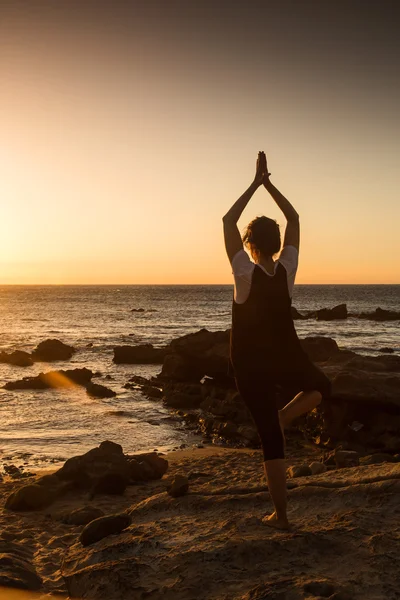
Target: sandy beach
(210,543)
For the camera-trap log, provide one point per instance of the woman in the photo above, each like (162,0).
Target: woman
(264,347)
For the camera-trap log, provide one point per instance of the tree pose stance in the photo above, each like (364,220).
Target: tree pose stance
(264,347)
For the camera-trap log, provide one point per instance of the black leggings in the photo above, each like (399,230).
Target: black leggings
(258,391)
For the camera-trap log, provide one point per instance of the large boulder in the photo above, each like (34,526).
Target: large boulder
(195,344)
(87,469)
(107,469)
(330,314)
(180,368)
(194,355)
(381,314)
(319,348)
(139,355)
(31,497)
(146,466)
(50,350)
(99,391)
(104,526)
(18,358)
(52,379)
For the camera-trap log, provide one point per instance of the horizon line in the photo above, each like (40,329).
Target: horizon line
(162,284)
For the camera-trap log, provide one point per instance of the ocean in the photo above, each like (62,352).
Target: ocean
(42,428)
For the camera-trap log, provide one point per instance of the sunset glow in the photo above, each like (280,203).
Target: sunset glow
(125,138)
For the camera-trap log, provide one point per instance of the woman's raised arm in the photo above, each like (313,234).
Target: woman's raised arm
(233,240)
(292,233)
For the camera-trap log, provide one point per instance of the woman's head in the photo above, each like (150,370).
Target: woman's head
(262,236)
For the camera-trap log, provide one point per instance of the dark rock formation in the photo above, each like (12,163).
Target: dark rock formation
(18,358)
(330,314)
(296,315)
(381,314)
(102,470)
(99,391)
(16,569)
(139,355)
(319,348)
(104,526)
(50,350)
(52,379)
(31,497)
(146,466)
(110,483)
(87,469)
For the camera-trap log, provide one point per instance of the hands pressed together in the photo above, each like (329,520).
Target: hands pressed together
(262,174)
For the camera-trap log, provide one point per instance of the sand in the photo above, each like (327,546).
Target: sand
(211,543)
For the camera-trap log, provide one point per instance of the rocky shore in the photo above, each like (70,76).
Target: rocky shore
(363,412)
(195,516)
(187,526)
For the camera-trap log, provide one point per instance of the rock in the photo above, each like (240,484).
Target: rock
(99,391)
(16,570)
(110,483)
(373,390)
(386,350)
(346,458)
(50,350)
(152,392)
(317,467)
(381,315)
(18,358)
(227,430)
(296,314)
(31,497)
(87,469)
(179,486)
(139,355)
(147,466)
(375,364)
(195,355)
(330,314)
(104,526)
(52,379)
(319,348)
(137,310)
(83,515)
(179,368)
(249,433)
(111,447)
(299,471)
(375,459)
(139,380)
(181,400)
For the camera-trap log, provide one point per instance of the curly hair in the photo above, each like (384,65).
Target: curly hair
(262,235)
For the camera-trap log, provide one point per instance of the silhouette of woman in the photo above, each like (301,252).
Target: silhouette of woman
(264,347)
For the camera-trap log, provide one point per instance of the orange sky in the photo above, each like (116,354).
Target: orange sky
(127,134)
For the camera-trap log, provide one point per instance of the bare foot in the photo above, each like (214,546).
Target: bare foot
(273,521)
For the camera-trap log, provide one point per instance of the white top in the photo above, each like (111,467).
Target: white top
(243,268)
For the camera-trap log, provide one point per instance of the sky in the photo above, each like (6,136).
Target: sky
(128,129)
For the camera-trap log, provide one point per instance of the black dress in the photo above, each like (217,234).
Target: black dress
(265,351)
